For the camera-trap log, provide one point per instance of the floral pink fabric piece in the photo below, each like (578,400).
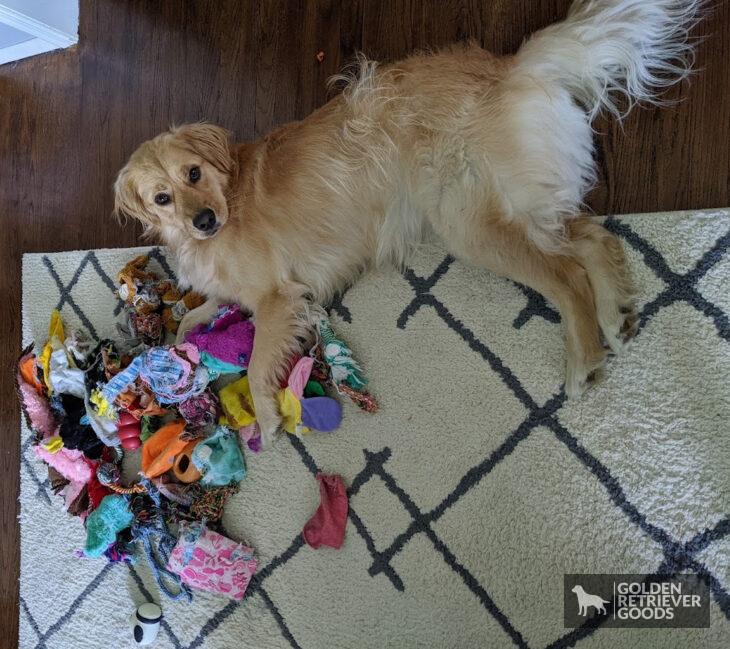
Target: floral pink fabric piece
(209,561)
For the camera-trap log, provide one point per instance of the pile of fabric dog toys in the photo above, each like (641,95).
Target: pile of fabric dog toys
(185,412)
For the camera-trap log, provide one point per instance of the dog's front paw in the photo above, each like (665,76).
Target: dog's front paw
(199,315)
(269,431)
(269,420)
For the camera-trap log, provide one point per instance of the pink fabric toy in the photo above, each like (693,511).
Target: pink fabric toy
(327,526)
(251,435)
(300,375)
(71,464)
(36,407)
(209,561)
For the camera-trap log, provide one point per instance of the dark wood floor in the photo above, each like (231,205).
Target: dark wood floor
(69,119)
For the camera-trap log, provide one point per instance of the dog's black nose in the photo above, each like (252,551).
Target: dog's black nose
(205,220)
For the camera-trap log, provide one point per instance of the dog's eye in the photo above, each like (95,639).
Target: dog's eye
(162,198)
(194,174)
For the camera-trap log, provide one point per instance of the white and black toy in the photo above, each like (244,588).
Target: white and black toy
(147,623)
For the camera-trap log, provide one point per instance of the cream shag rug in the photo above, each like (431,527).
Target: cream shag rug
(472,491)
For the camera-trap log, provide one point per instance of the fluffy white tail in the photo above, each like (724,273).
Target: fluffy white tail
(605,48)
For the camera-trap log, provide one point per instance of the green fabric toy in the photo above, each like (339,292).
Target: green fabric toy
(338,356)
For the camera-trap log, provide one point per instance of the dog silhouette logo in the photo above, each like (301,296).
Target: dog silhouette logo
(585,601)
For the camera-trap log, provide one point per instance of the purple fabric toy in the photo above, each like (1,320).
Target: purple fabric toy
(227,339)
(321,413)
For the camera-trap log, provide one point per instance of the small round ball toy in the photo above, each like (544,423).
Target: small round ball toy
(146,623)
(128,430)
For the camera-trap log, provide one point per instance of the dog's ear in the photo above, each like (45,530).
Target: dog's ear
(209,141)
(128,203)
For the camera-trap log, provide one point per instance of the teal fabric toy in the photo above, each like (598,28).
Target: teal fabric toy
(216,367)
(219,459)
(105,522)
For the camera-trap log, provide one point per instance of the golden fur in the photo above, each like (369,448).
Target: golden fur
(492,154)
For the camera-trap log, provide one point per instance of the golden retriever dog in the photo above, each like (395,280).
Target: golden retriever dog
(492,154)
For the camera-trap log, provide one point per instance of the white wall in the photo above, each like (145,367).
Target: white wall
(30,27)
(62,15)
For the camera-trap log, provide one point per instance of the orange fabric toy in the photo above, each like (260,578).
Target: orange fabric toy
(172,314)
(29,372)
(184,469)
(160,450)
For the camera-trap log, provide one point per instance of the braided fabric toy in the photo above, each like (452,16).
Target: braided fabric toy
(344,370)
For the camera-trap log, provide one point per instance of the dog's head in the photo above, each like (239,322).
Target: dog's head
(177,182)
(576,589)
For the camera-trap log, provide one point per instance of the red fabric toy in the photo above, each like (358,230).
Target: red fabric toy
(327,526)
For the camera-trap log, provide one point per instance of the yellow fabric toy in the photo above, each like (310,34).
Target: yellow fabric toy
(290,408)
(103,407)
(56,336)
(53,444)
(237,404)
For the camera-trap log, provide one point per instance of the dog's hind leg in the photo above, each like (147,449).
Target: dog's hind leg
(602,255)
(503,247)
